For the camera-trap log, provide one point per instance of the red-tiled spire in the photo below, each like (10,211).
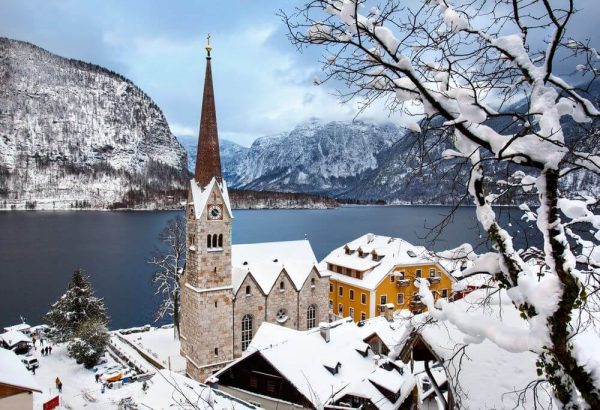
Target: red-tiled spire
(208,159)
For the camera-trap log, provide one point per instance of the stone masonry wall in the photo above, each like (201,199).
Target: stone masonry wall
(254,305)
(318,296)
(286,299)
(207,327)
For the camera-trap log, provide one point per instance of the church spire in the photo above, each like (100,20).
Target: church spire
(208,159)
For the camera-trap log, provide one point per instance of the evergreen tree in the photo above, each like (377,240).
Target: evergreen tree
(75,307)
(89,342)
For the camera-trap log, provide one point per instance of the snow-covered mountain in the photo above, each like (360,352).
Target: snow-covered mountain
(315,157)
(365,161)
(73,133)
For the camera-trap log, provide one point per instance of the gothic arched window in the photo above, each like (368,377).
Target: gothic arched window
(208,242)
(214,241)
(220,240)
(248,290)
(311,317)
(246,331)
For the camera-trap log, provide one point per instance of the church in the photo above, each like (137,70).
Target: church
(228,291)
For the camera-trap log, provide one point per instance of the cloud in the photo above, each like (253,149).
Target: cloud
(182,130)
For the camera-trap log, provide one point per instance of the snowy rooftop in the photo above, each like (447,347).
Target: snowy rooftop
(171,390)
(394,252)
(305,359)
(11,338)
(509,372)
(21,327)
(266,260)
(14,372)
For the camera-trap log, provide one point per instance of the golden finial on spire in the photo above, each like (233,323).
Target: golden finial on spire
(208,46)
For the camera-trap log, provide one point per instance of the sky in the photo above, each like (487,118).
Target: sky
(263,85)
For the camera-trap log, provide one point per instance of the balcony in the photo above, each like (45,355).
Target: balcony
(402,283)
(435,279)
(417,304)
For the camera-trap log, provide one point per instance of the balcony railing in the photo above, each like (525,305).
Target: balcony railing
(417,303)
(402,283)
(435,279)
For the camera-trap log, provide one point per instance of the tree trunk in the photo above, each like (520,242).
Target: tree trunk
(561,351)
(176,313)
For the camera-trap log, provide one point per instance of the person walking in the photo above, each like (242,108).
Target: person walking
(56,382)
(33,370)
(59,386)
(50,349)
(97,377)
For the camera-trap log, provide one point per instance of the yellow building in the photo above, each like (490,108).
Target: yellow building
(374,273)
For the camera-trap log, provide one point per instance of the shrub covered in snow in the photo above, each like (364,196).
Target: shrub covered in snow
(89,342)
(75,307)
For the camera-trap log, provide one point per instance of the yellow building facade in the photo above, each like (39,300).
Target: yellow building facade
(374,273)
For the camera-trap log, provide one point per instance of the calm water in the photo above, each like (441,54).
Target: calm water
(39,250)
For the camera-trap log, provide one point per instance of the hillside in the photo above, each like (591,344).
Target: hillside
(74,134)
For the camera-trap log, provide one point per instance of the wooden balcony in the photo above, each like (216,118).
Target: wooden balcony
(402,283)
(435,279)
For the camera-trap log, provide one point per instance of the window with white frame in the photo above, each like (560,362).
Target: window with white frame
(351,293)
(340,309)
(432,273)
(341,291)
(418,273)
(444,293)
(351,313)
(383,300)
(311,317)
(400,300)
(363,298)
(246,331)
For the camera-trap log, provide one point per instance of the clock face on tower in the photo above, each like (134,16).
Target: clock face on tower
(215,212)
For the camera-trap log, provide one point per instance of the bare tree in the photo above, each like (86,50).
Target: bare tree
(468,66)
(169,262)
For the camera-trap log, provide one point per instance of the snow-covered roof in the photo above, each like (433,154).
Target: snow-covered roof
(21,327)
(169,390)
(14,337)
(303,358)
(200,196)
(396,252)
(509,371)
(14,372)
(392,334)
(266,260)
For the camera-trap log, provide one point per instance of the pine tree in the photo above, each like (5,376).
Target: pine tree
(89,342)
(75,307)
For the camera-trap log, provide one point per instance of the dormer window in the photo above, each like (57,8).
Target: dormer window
(347,250)
(361,253)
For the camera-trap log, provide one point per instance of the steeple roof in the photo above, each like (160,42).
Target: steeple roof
(208,159)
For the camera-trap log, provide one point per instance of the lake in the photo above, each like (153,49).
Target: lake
(40,249)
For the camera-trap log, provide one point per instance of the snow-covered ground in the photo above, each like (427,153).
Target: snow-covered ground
(161,345)
(79,389)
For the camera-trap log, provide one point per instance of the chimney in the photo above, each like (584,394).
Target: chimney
(324,329)
(389,312)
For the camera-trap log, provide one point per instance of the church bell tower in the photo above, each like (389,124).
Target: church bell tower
(206,285)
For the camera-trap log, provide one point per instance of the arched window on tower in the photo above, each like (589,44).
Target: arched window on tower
(214,241)
(311,317)
(246,331)
(220,240)
(208,242)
